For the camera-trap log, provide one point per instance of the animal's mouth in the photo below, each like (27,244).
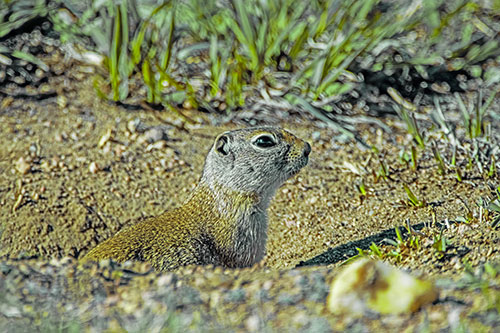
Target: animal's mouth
(296,167)
(293,165)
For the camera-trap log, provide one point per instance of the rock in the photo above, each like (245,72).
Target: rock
(10,311)
(373,285)
(133,125)
(62,101)
(153,135)
(22,166)
(253,323)
(156,146)
(94,167)
(105,138)
(315,136)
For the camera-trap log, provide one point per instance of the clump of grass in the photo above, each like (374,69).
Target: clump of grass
(374,252)
(383,171)
(469,217)
(400,246)
(493,168)
(414,243)
(413,240)
(410,160)
(361,188)
(412,198)
(485,279)
(318,40)
(439,159)
(491,209)
(440,243)
(458,173)
(414,164)
(475,126)
(438,117)
(411,125)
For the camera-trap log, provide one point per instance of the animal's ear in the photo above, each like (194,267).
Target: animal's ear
(222,144)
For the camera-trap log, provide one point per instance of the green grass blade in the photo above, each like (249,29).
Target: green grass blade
(465,114)
(376,250)
(439,159)
(170,42)
(147,77)
(398,235)
(246,34)
(125,65)
(414,158)
(30,58)
(137,42)
(114,54)
(478,120)
(298,45)
(413,199)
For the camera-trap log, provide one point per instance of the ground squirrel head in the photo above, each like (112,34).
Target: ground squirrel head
(255,160)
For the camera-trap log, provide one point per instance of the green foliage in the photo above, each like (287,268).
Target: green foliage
(119,69)
(412,198)
(13,14)
(491,207)
(475,126)
(397,248)
(402,245)
(411,124)
(439,159)
(375,250)
(314,44)
(245,39)
(360,186)
(493,169)
(440,243)
(414,164)
(486,280)
(383,170)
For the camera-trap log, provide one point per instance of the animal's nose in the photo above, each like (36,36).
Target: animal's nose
(307,149)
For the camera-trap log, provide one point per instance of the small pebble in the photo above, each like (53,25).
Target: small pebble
(153,135)
(94,167)
(157,145)
(187,105)
(313,200)
(105,138)
(60,137)
(119,150)
(252,324)
(62,101)
(133,124)
(22,166)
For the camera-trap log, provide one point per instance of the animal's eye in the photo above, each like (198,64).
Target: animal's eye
(264,141)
